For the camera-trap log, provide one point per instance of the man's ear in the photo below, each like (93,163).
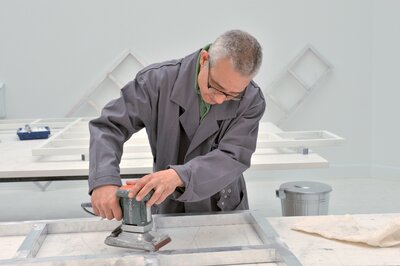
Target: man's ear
(203,57)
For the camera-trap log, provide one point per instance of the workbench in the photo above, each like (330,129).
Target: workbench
(239,238)
(65,155)
(311,249)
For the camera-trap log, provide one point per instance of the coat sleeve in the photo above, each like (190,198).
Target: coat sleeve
(118,121)
(208,174)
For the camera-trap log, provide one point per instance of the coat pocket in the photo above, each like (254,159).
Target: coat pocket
(244,204)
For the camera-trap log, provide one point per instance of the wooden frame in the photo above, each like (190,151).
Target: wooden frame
(73,139)
(299,139)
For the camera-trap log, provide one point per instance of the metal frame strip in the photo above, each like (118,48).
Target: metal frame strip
(32,242)
(272,248)
(264,228)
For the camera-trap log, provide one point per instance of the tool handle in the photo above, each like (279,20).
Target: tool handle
(86,205)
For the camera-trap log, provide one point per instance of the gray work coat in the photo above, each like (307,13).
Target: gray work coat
(209,155)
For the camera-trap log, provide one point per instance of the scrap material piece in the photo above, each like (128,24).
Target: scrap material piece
(346,228)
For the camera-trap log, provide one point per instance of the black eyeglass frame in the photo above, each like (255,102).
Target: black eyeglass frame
(227,96)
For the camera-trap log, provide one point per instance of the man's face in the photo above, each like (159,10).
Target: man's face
(221,82)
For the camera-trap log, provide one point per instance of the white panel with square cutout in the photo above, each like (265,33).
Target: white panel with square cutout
(296,82)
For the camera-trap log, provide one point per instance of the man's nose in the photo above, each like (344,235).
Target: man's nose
(219,98)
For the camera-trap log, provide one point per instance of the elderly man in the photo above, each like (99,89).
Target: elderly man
(201,114)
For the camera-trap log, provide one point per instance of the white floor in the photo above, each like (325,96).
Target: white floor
(62,199)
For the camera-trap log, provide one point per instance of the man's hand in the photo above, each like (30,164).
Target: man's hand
(105,203)
(163,182)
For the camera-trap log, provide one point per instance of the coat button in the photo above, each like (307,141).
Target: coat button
(229,190)
(223,191)
(223,203)
(225,196)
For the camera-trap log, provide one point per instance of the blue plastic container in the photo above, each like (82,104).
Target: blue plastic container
(35,133)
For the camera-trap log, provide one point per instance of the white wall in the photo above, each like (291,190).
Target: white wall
(386,89)
(51,52)
(341,31)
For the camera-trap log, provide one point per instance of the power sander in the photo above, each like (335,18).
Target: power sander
(136,229)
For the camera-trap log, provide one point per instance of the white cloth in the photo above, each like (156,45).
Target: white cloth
(346,228)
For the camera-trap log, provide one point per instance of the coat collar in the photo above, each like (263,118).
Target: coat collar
(209,125)
(184,94)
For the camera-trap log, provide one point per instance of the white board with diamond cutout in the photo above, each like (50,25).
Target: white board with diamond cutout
(108,87)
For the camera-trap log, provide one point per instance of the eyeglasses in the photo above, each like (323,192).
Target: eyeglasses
(219,92)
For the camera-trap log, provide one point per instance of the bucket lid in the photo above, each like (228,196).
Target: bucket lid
(305,187)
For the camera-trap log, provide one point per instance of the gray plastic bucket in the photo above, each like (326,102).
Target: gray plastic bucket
(304,198)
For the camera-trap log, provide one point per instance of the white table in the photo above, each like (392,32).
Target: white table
(18,164)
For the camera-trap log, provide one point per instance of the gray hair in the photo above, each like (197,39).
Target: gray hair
(241,48)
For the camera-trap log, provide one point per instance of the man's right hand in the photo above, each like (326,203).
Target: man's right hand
(105,202)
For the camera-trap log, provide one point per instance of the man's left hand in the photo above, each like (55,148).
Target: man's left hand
(163,182)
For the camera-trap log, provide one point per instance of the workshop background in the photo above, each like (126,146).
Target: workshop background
(52,52)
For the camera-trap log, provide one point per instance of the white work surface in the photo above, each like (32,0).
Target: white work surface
(312,249)
(197,239)
(17,162)
(230,238)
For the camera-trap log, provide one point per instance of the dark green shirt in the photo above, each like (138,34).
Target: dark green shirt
(204,107)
